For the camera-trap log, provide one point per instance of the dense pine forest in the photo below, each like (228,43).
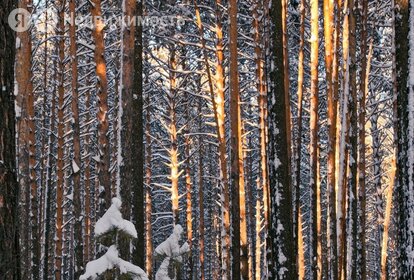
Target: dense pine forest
(206,139)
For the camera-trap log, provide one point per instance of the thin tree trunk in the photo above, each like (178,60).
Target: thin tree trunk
(343,151)
(201,224)
(315,242)
(300,261)
(329,13)
(235,140)
(76,161)
(189,190)
(363,93)
(172,130)
(149,248)
(60,143)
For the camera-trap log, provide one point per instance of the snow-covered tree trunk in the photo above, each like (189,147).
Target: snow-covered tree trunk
(60,141)
(76,160)
(281,258)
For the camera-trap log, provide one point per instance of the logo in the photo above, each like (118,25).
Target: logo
(20,20)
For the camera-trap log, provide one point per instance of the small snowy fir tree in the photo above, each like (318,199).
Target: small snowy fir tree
(109,227)
(170,253)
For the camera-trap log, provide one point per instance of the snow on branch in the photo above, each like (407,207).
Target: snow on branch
(112,219)
(110,261)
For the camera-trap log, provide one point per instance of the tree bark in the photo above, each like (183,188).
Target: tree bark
(282,258)
(104,175)
(315,242)
(76,160)
(9,190)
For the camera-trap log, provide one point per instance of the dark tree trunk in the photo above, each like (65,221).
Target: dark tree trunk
(9,191)
(402,55)
(282,257)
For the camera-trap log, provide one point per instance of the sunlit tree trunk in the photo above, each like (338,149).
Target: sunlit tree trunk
(148,198)
(172,130)
(315,222)
(104,175)
(218,100)
(300,261)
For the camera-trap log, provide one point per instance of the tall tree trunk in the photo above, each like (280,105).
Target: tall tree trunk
(363,93)
(9,191)
(189,190)
(60,142)
(104,175)
(315,242)
(282,258)
(404,62)
(343,150)
(218,100)
(138,151)
(329,14)
(352,182)
(148,198)
(201,224)
(128,116)
(235,140)
(172,130)
(300,261)
(76,161)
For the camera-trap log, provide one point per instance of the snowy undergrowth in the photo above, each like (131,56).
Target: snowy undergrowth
(112,220)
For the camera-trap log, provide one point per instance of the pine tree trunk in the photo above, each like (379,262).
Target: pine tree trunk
(352,181)
(282,256)
(138,151)
(300,262)
(201,224)
(403,13)
(235,143)
(76,164)
(172,130)
(60,143)
(148,198)
(315,242)
(363,93)
(9,190)
(329,13)
(104,175)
